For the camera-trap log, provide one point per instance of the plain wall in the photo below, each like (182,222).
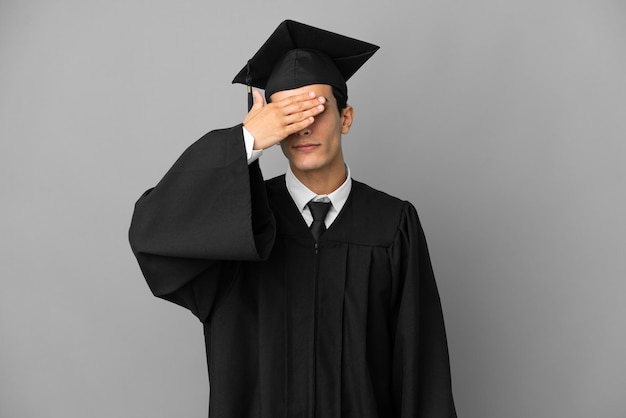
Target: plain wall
(504,122)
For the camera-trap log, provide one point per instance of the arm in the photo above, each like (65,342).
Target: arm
(210,210)
(210,206)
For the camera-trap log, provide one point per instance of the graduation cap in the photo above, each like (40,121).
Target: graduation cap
(298,55)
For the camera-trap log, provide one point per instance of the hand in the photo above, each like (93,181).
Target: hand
(269,124)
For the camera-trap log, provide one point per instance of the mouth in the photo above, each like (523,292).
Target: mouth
(306,147)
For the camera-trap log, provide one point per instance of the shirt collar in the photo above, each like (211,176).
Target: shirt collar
(302,195)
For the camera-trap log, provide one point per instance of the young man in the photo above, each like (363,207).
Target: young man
(316,291)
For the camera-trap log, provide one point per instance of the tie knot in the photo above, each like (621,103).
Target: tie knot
(319,210)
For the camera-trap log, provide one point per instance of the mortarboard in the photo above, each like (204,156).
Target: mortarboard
(297,55)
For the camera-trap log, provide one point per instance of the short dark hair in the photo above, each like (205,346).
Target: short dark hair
(342,101)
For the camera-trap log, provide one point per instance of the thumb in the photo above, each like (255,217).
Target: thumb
(258,100)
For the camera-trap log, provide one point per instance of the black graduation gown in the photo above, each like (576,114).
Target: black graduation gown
(351,327)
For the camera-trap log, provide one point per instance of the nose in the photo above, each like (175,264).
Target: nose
(304,132)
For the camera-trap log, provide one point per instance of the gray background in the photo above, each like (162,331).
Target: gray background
(503,122)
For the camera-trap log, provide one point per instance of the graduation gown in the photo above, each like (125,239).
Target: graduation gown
(348,327)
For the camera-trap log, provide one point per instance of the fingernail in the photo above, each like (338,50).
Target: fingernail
(311,94)
(321,99)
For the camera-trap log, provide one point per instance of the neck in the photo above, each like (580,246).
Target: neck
(324,181)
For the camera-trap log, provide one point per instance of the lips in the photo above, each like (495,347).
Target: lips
(306,147)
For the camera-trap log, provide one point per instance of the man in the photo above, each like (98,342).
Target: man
(316,291)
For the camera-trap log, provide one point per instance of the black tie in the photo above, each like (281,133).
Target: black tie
(319,211)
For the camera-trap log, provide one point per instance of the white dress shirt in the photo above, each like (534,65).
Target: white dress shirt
(302,195)
(251,153)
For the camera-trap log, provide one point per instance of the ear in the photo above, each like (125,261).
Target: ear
(347,116)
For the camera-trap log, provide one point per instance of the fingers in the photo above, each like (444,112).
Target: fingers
(297,109)
(295,116)
(300,103)
(299,112)
(306,108)
(298,126)
(269,124)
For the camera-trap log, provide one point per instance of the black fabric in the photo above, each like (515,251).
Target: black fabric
(297,55)
(354,329)
(303,67)
(319,210)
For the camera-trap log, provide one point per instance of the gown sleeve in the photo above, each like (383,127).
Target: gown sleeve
(420,365)
(208,213)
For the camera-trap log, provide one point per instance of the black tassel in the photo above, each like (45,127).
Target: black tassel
(250,98)
(249,83)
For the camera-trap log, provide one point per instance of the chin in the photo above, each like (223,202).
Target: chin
(306,167)
(306,164)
